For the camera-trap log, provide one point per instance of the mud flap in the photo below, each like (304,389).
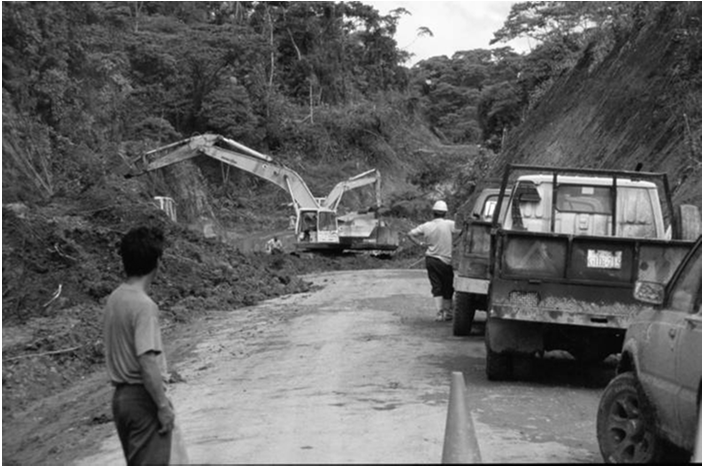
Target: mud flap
(514,336)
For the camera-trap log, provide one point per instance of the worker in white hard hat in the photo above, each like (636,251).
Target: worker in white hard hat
(437,236)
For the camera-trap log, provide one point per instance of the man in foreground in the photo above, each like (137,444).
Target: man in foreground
(437,236)
(134,354)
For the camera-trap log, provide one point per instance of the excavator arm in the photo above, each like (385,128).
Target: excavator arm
(362,231)
(363,179)
(235,154)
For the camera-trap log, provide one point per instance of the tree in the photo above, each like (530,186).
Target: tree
(498,111)
(575,21)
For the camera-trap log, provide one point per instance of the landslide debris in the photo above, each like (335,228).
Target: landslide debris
(60,261)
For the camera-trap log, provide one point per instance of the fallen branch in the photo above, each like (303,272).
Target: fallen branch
(48,353)
(57,293)
(63,254)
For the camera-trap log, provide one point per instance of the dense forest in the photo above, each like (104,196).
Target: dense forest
(86,83)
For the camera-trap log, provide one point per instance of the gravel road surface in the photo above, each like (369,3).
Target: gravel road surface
(357,371)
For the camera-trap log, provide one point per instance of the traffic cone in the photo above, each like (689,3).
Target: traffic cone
(460,442)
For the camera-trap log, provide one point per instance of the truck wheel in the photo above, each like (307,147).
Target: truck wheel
(689,222)
(463,313)
(498,366)
(626,426)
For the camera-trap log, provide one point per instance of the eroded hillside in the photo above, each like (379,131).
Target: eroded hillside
(641,103)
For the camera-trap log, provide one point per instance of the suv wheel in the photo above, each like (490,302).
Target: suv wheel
(464,313)
(626,426)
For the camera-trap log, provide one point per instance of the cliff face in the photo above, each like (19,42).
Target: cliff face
(641,104)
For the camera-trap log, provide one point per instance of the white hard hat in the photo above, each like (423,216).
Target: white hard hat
(440,206)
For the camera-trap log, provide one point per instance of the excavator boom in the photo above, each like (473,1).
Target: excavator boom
(360,180)
(237,155)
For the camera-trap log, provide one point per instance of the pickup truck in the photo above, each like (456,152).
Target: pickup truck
(564,251)
(470,261)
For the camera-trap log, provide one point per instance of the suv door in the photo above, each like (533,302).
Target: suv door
(667,368)
(686,293)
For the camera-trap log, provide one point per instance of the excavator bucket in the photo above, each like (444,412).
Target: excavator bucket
(365,232)
(387,238)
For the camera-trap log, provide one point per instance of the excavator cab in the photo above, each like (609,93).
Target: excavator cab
(317,229)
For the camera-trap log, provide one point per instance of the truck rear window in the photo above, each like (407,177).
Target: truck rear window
(584,199)
(635,211)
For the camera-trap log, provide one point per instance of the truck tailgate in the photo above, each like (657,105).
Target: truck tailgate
(580,280)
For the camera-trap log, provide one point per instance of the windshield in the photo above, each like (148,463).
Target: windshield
(327,221)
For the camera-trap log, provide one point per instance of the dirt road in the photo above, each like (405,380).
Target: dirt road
(357,372)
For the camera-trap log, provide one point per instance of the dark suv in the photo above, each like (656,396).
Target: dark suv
(654,401)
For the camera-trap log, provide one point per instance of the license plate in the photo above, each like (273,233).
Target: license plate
(598,259)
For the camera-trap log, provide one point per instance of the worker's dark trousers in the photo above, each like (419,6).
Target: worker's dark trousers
(136,418)
(440,276)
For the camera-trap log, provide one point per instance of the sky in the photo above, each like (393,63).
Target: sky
(463,25)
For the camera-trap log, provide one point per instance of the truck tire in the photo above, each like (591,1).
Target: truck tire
(626,425)
(463,313)
(689,222)
(498,366)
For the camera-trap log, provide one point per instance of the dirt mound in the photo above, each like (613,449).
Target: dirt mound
(60,261)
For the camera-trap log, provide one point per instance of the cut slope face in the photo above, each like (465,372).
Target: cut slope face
(641,104)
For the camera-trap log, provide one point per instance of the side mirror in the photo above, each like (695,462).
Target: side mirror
(649,292)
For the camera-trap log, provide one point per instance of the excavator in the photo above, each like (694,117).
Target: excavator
(317,226)
(360,229)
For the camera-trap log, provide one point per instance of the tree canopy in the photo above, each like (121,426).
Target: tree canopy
(99,75)
(82,80)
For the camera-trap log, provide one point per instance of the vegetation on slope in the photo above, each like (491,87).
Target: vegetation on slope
(639,103)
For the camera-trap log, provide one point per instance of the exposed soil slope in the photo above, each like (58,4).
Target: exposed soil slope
(641,104)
